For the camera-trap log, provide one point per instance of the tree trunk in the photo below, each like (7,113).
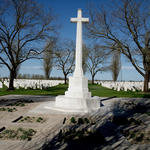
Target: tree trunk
(146,81)
(11,82)
(65,79)
(46,73)
(93,79)
(46,76)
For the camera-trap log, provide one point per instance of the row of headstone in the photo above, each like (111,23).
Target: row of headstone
(1,85)
(33,84)
(124,86)
(41,84)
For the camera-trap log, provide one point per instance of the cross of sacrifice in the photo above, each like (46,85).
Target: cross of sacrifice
(78,62)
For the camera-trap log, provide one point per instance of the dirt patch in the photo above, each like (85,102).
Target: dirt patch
(29,119)
(45,125)
(17,134)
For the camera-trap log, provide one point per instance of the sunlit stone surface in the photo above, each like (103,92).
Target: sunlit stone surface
(78,98)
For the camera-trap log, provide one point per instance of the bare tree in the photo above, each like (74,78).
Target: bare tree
(96,58)
(48,57)
(23,27)
(64,58)
(115,65)
(127,28)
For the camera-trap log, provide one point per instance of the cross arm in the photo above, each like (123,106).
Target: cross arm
(74,19)
(79,19)
(85,19)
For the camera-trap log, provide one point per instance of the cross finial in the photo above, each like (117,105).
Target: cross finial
(79,13)
(79,17)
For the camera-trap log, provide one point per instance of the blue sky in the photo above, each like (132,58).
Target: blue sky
(64,10)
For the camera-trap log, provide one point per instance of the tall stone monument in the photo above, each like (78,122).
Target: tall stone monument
(77,98)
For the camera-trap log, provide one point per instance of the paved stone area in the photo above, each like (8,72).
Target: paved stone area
(45,131)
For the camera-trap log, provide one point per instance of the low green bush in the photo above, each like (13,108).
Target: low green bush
(80,121)
(73,120)
(8,109)
(19,134)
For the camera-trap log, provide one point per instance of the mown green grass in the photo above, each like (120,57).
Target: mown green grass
(56,90)
(96,90)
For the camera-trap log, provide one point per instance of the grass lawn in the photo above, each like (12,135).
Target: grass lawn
(96,90)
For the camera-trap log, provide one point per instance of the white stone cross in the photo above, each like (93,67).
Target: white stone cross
(78,62)
(77,98)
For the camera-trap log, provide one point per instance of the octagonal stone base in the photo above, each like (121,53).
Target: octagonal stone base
(77,98)
(68,104)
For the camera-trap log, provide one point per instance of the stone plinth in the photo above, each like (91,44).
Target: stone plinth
(78,88)
(77,98)
(76,105)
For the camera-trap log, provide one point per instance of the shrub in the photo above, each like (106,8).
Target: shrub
(86,120)
(2,109)
(80,121)
(8,109)
(39,119)
(20,133)
(73,120)
(32,119)
(140,137)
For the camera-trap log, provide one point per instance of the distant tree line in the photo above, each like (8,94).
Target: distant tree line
(30,76)
(37,76)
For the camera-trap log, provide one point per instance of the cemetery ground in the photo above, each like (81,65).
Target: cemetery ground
(122,122)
